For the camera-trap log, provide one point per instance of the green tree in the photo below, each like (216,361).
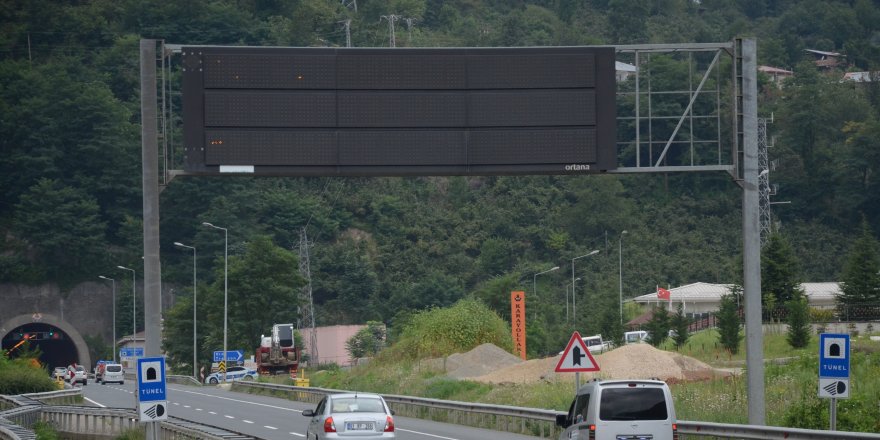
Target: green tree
(264,284)
(780,272)
(798,321)
(367,341)
(729,323)
(65,228)
(658,326)
(860,282)
(679,326)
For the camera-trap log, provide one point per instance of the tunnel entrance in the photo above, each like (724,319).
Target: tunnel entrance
(60,343)
(56,347)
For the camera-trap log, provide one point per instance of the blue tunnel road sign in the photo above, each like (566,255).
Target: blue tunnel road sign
(833,355)
(151,379)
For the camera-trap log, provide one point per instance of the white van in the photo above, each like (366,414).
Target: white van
(636,337)
(620,410)
(113,373)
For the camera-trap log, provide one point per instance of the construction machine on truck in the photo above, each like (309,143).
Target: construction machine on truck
(278,354)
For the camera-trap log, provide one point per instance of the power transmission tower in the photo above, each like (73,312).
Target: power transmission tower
(308,318)
(391,19)
(350,4)
(347,25)
(409,25)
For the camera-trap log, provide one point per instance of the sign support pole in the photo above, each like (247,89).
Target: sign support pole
(150,158)
(833,415)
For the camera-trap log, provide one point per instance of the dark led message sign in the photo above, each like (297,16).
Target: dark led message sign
(395,112)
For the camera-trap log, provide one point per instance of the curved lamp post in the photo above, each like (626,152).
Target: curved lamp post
(573,292)
(133,304)
(177,243)
(225,287)
(114,313)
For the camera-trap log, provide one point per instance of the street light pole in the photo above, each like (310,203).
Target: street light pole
(567,319)
(225,288)
(114,313)
(573,291)
(133,305)
(535,277)
(177,243)
(620,271)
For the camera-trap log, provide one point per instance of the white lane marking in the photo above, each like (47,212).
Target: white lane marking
(247,421)
(186,406)
(229,417)
(426,434)
(237,400)
(96,403)
(212,412)
(176,403)
(297,434)
(198,409)
(269,427)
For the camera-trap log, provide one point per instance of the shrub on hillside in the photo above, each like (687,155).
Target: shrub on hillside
(19,376)
(442,331)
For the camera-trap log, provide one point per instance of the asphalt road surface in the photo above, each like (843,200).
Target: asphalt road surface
(267,417)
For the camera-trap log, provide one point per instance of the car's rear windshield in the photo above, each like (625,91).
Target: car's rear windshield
(80,369)
(113,368)
(641,403)
(359,404)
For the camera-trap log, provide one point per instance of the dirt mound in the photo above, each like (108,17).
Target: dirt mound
(637,361)
(482,360)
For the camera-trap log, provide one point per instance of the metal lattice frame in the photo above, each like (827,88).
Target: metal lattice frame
(764,181)
(678,125)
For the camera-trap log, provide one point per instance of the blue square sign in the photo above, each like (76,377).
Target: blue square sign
(151,379)
(834,356)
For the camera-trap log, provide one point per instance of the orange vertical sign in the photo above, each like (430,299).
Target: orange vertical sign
(518,322)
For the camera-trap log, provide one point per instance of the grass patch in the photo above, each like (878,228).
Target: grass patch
(704,345)
(44,431)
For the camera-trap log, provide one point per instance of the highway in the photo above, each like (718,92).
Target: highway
(267,417)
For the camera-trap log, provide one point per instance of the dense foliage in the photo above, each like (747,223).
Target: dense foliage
(456,329)
(386,248)
(23,375)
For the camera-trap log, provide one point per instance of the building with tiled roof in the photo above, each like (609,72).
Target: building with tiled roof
(702,298)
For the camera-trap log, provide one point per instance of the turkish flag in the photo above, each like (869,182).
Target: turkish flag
(664,294)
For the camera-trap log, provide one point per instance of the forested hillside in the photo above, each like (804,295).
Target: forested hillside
(382,248)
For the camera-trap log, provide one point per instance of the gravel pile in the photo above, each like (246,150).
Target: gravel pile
(637,361)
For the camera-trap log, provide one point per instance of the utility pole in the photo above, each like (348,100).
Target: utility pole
(308,317)
(391,19)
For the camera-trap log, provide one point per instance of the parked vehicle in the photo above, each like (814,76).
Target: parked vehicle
(277,353)
(595,344)
(635,337)
(77,374)
(360,416)
(113,373)
(620,409)
(232,374)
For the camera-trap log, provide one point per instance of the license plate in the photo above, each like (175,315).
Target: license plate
(635,437)
(359,426)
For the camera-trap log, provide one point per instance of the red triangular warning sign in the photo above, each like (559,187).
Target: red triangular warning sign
(576,358)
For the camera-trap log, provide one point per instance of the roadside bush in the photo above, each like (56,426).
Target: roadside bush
(440,332)
(19,376)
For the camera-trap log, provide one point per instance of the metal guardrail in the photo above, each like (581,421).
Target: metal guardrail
(183,380)
(25,410)
(532,421)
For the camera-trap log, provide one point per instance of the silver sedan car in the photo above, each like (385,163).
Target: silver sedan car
(351,416)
